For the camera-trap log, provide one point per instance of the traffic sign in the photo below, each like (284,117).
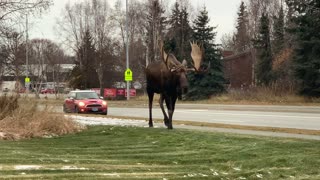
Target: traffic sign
(128,75)
(27,80)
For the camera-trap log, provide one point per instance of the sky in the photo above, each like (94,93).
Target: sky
(222,14)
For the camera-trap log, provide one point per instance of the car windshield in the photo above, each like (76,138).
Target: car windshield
(87,95)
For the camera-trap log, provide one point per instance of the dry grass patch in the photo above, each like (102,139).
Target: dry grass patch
(7,105)
(25,121)
(263,95)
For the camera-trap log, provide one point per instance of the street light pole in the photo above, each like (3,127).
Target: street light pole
(27,53)
(127,48)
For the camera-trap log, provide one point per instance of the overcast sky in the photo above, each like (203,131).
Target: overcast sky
(222,13)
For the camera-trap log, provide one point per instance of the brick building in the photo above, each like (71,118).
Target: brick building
(239,70)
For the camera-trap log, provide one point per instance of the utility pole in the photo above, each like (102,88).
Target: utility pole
(27,84)
(127,48)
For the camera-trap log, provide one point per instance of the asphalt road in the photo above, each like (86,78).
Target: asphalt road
(299,117)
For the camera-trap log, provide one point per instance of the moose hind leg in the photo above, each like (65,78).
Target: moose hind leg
(166,119)
(150,95)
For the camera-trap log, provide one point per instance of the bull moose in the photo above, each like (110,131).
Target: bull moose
(168,78)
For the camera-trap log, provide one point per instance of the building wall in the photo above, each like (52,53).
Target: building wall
(239,71)
(10,85)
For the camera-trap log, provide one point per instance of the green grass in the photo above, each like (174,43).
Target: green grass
(106,152)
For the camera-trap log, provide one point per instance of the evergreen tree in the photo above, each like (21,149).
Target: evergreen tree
(76,77)
(186,34)
(86,56)
(264,53)
(306,61)
(282,69)
(179,33)
(202,86)
(173,39)
(242,39)
(278,32)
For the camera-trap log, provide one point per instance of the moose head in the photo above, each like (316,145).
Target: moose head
(179,69)
(168,78)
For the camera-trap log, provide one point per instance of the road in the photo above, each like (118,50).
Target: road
(299,117)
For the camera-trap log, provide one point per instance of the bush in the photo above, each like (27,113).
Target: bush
(27,121)
(8,104)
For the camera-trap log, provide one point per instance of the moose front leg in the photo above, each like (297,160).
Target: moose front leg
(166,119)
(169,104)
(150,95)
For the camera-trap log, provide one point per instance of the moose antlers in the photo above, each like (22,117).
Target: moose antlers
(169,59)
(196,54)
(197,57)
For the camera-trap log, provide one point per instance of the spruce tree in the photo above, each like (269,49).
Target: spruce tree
(282,71)
(179,33)
(264,54)
(186,33)
(86,56)
(202,86)
(242,39)
(173,38)
(278,32)
(306,60)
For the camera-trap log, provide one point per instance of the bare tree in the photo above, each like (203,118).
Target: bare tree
(73,24)
(13,12)
(15,8)
(227,41)
(44,64)
(155,27)
(94,17)
(101,33)
(13,55)
(256,8)
(137,34)
(54,57)
(119,18)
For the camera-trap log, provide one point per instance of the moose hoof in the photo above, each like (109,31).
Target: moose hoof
(170,127)
(150,125)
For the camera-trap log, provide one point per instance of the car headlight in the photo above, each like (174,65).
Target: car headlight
(104,103)
(81,104)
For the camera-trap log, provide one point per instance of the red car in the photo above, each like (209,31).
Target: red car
(82,101)
(47,91)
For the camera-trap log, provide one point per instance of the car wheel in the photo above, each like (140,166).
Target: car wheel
(76,109)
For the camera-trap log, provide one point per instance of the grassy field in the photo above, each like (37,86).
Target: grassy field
(141,153)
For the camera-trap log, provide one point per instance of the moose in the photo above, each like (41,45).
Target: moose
(168,78)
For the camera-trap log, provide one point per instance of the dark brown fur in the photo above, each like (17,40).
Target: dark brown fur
(169,83)
(168,78)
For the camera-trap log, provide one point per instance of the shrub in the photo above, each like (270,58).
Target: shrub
(27,121)
(8,104)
